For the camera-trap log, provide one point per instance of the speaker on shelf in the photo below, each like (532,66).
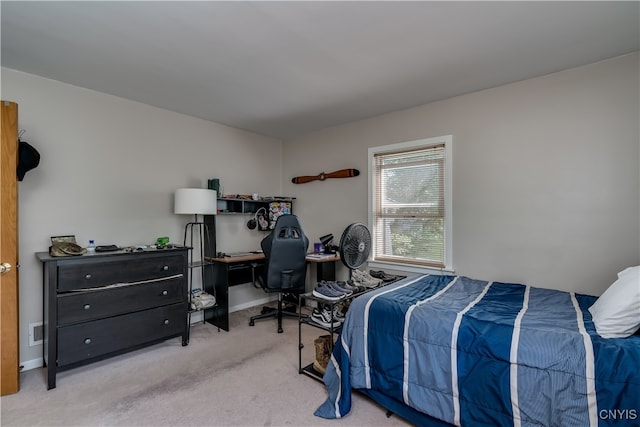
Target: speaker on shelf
(214,184)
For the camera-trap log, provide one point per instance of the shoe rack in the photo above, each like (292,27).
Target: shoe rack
(333,329)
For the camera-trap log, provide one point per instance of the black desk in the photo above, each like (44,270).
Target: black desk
(236,270)
(325,266)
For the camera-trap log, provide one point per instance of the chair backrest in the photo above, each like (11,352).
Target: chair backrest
(285,250)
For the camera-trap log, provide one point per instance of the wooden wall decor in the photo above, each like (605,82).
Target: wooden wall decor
(342,173)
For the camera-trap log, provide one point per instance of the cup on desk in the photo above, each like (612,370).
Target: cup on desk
(255,196)
(317,248)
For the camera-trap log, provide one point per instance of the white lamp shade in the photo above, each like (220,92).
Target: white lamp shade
(196,201)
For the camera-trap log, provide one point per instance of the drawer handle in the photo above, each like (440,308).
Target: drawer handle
(88,276)
(165,293)
(165,268)
(87,341)
(166,321)
(87,306)
(120,285)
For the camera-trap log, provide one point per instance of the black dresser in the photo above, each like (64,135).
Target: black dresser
(104,304)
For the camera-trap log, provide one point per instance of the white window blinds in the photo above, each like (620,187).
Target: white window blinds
(409,206)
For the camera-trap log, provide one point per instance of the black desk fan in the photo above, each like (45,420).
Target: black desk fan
(354,248)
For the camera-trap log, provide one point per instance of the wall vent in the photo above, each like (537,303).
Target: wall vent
(36,333)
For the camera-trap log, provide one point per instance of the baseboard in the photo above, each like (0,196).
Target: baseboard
(32,364)
(250,304)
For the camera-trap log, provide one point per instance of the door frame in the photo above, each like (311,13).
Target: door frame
(9,315)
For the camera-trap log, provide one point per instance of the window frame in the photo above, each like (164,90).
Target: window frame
(447,141)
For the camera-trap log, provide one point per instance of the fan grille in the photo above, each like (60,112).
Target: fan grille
(355,245)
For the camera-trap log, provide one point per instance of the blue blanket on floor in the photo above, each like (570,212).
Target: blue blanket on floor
(470,352)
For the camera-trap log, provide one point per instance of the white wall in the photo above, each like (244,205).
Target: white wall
(545,175)
(108,171)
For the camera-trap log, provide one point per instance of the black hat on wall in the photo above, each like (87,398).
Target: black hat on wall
(28,158)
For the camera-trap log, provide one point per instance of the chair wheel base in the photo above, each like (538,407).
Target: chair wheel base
(277,313)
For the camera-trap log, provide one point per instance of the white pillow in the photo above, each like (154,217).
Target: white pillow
(630,270)
(616,314)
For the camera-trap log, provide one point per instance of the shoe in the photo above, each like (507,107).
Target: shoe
(379,274)
(382,275)
(338,313)
(326,292)
(365,279)
(323,353)
(347,286)
(336,286)
(358,288)
(345,307)
(370,279)
(323,316)
(357,275)
(201,300)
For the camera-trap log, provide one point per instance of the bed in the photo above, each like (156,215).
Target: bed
(452,350)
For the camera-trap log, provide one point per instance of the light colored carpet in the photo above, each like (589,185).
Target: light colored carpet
(245,377)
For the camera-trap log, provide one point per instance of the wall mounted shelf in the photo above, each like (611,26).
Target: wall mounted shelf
(229,206)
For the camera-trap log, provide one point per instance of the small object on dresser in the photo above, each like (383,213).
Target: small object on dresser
(162,242)
(66,249)
(107,248)
(91,247)
(65,246)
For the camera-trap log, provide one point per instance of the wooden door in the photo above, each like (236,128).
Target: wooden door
(9,366)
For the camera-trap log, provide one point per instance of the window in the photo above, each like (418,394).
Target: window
(410,203)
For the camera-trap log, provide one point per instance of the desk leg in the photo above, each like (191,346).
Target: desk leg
(326,271)
(217,278)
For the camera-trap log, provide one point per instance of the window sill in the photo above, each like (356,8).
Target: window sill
(374,265)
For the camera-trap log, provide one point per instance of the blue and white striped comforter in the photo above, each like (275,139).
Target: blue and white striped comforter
(470,352)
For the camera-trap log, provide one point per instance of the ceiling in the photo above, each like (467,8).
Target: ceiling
(283,69)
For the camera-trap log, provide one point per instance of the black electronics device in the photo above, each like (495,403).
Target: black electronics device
(327,244)
(107,248)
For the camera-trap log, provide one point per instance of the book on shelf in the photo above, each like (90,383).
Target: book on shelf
(321,256)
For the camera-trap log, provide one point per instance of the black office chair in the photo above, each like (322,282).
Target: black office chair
(285,268)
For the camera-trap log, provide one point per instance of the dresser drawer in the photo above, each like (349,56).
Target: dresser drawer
(98,338)
(74,307)
(107,272)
